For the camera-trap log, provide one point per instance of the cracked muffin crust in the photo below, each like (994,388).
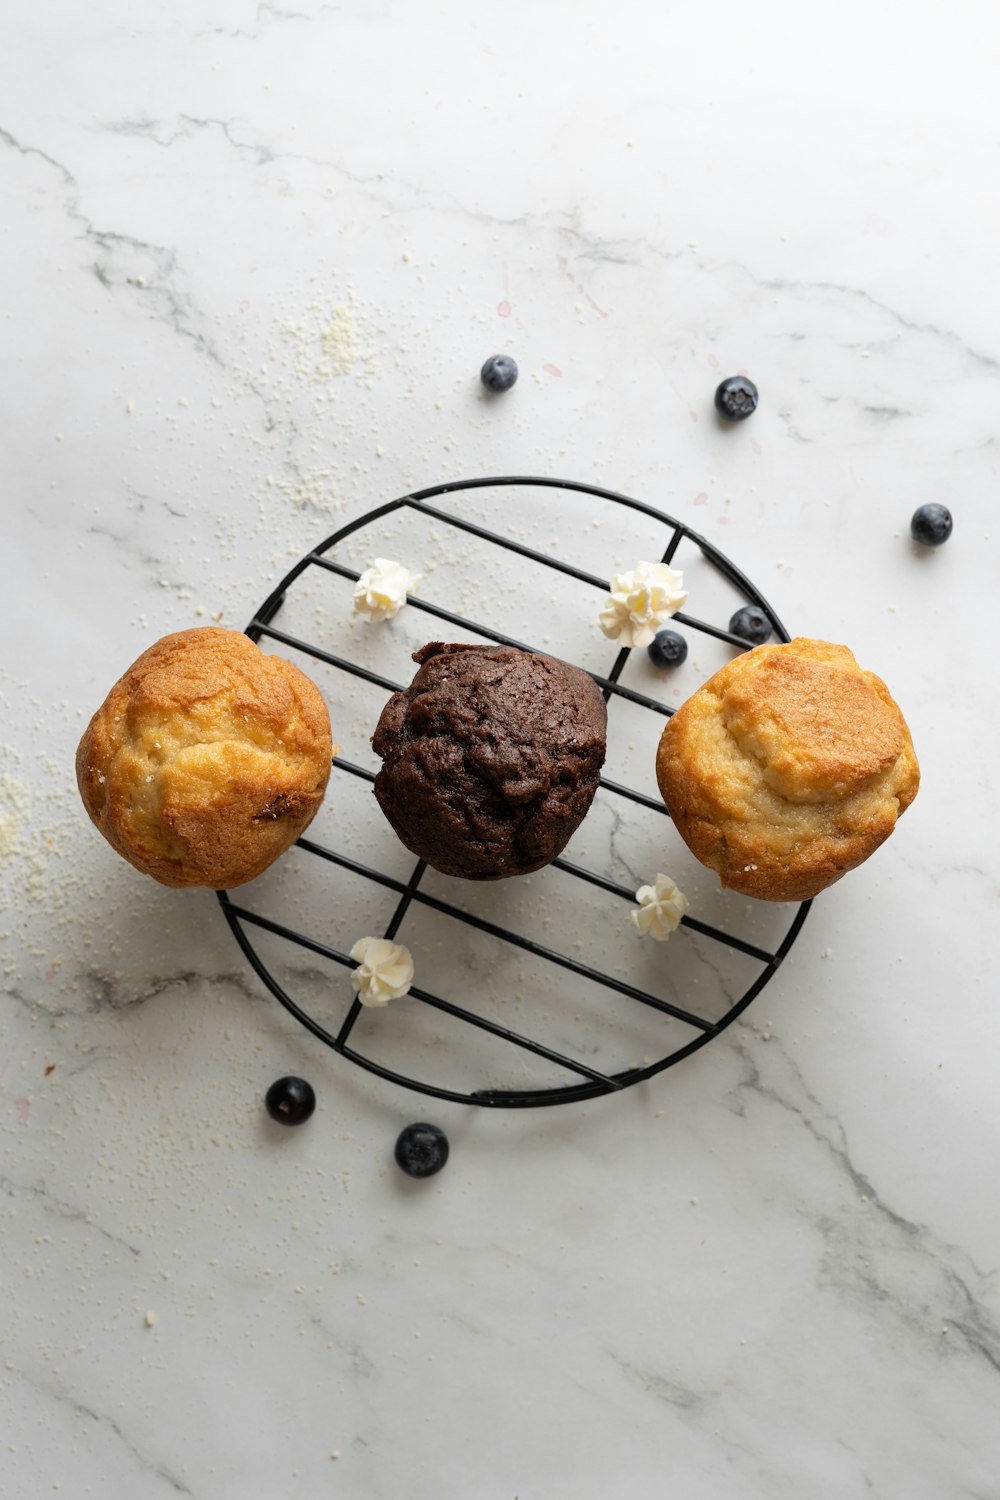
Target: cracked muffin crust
(491,758)
(206,760)
(786,769)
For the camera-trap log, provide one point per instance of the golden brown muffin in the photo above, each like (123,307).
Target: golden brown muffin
(786,769)
(206,760)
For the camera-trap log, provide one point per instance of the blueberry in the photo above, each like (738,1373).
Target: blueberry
(736,398)
(667,649)
(421,1150)
(751,624)
(499,373)
(290,1101)
(931,525)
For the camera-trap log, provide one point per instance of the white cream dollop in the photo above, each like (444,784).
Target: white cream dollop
(381,591)
(640,601)
(660,909)
(384,972)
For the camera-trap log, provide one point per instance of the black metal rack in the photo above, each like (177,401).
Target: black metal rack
(412,898)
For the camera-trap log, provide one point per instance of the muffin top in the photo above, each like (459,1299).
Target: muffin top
(787,768)
(491,758)
(206,760)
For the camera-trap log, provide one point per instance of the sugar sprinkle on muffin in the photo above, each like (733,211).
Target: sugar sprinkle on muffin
(787,768)
(206,760)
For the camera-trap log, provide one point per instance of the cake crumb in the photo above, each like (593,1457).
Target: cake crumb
(151,1320)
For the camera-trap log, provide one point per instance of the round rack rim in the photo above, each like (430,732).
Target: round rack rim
(593,1083)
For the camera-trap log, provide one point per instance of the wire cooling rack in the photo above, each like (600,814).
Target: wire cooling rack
(411,899)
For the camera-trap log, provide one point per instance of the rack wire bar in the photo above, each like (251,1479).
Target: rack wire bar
(340,764)
(395,921)
(575,486)
(482,1022)
(344,665)
(528,1098)
(538,950)
(714,630)
(483,532)
(591,1081)
(611,886)
(750,949)
(609,683)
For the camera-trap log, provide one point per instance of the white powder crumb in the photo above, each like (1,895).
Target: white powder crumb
(13,809)
(826,953)
(151,1320)
(335,1453)
(200,610)
(130,407)
(694,1203)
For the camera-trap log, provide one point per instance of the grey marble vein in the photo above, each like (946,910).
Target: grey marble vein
(182,128)
(57,1208)
(855,1260)
(812,289)
(360,1364)
(154,1468)
(150,271)
(661,1387)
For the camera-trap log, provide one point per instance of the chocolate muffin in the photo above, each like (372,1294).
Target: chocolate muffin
(491,758)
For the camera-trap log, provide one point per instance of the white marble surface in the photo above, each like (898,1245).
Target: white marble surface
(253,256)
